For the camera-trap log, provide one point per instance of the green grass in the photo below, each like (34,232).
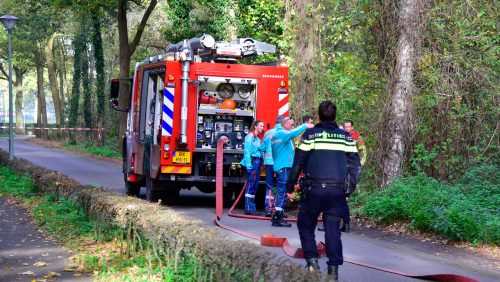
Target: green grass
(466,210)
(101,248)
(108,150)
(13,184)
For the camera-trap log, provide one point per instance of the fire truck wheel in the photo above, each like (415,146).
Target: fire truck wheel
(131,188)
(153,194)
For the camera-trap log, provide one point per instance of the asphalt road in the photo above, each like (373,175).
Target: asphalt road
(357,247)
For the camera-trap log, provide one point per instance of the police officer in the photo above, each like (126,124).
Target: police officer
(323,155)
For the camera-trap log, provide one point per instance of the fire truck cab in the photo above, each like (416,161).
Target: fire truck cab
(183,101)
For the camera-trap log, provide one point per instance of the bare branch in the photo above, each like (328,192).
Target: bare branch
(142,25)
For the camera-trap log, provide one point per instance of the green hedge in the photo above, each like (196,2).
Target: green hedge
(467,210)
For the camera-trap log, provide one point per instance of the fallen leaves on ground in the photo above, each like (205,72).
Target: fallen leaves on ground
(51,274)
(71,267)
(27,273)
(40,264)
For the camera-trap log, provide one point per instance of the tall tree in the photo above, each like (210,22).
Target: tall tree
(39,20)
(51,70)
(79,48)
(231,21)
(41,108)
(61,73)
(19,70)
(18,85)
(397,117)
(86,86)
(127,49)
(99,66)
(303,18)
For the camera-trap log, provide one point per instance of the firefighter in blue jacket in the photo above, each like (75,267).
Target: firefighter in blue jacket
(252,160)
(324,156)
(282,146)
(268,163)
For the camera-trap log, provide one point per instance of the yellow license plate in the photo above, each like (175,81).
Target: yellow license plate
(182,157)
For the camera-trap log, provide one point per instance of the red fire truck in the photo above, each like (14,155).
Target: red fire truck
(183,101)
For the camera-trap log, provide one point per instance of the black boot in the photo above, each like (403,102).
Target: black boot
(333,272)
(278,220)
(312,265)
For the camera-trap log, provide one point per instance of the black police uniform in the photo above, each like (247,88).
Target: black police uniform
(323,155)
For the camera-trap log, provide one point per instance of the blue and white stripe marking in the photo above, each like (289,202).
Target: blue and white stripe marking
(168,111)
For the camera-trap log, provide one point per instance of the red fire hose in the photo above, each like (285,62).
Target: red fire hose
(271,240)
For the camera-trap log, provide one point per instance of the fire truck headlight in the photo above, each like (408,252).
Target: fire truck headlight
(208,134)
(239,136)
(166,147)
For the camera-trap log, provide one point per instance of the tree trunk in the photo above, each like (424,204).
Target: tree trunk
(303,19)
(397,114)
(49,56)
(86,88)
(124,98)
(126,51)
(79,47)
(232,29)
(99,65)
(18,85)
(41,120)
(62,79)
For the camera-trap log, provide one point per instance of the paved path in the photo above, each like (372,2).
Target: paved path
(358,247)
(22,245)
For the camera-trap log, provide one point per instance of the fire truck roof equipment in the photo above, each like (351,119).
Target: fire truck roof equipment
(207,49)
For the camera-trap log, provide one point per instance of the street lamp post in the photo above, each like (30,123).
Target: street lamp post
(9,21)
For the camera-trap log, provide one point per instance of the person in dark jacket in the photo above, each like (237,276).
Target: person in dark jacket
(324,156)
(360,146)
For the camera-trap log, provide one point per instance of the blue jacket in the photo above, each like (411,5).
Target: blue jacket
(282,145)
(266,148)
(251,149)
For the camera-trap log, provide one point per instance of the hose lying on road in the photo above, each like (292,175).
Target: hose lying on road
(273,241)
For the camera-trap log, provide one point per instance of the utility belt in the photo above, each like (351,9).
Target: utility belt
(306,184)
(326,184)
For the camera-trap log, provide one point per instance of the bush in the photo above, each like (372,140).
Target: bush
(466,210)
